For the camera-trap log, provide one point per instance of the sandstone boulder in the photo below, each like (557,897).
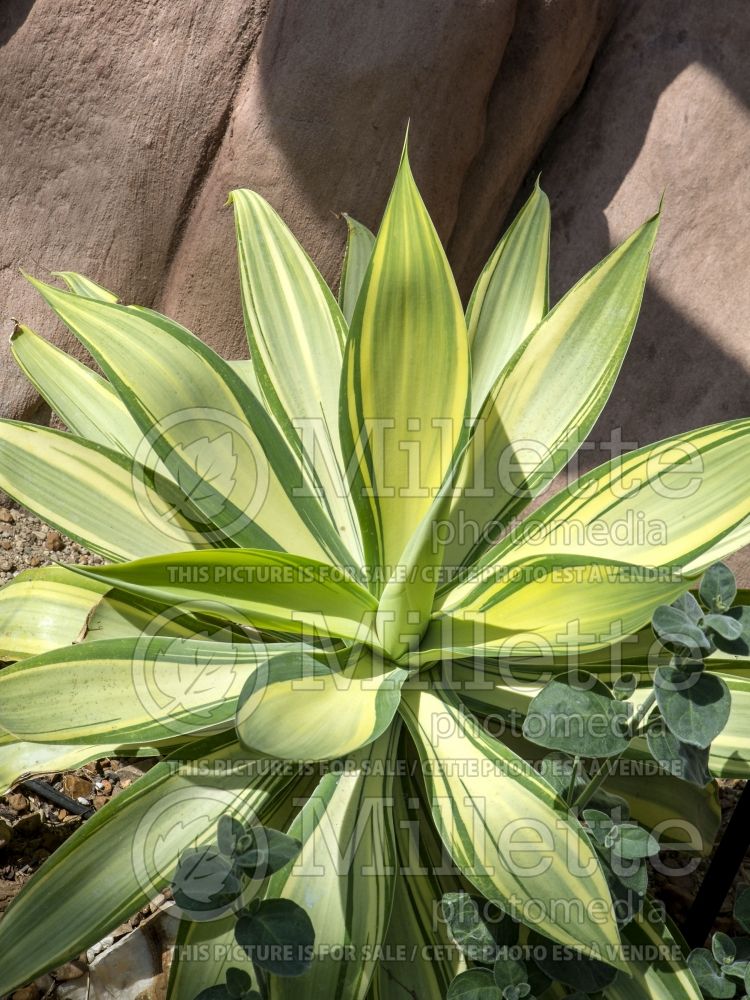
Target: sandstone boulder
(124,126)
(666,109)
(108,112)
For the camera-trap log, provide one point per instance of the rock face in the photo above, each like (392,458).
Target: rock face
(108,111)
(126,125)
(543,69)
(666,109)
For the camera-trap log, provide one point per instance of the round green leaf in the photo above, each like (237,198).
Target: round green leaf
(724,625)
(689,606)
(695,706)
(204,881)
(519,992)
(718,587)
(624,686)
(737,969)
(467,928)
(633,842)
(228,831)
(676,630)
(239,982)
(270,851)
(509,972)
(679,759)
(476,984)
(576,713)
(709,976)
(598,823)
(278,936)
(723,948)
(536,979)
(219,992)
(741,645)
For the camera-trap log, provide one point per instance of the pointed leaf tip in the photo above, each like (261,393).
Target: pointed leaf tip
(405,149)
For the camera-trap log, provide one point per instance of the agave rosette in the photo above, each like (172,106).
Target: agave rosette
(307,560)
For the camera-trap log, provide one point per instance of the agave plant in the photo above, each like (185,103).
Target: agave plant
(316,584)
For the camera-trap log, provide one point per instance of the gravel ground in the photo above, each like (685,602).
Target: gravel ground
(31,827)
(26,542)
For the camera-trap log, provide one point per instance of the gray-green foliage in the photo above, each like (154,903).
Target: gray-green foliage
(723,971)
(276,934)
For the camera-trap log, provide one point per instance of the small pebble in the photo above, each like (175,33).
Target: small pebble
(27,542)
(28,825)
(77,787)
(17,802)
(27,992)
(129,773)
(158,902)
(99,947)
(71,970)
(54,541)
